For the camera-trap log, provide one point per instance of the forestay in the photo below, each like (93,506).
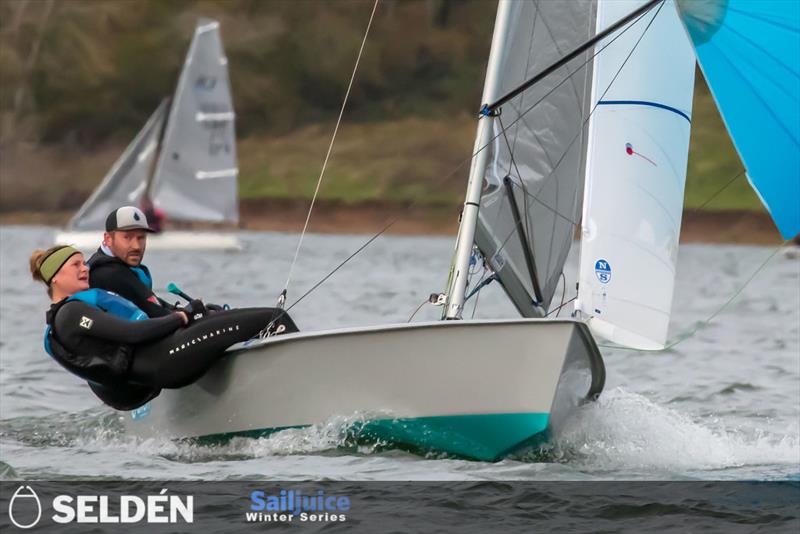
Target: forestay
(196,176)
(126,182)
(533,182)
(635,176)
(749,51)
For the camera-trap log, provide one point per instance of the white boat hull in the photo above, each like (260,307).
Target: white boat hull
(169,240)
(477,389)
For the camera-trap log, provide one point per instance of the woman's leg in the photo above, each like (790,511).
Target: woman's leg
(186,355)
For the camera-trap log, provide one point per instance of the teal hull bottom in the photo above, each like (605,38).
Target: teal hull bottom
(486,437)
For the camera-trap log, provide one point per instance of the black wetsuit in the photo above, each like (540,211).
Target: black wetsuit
(113,274)
(127,362)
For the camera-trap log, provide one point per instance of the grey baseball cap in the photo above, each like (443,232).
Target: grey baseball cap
(127,218)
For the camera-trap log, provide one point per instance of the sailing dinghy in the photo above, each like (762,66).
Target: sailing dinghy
(183,159)
(603,137)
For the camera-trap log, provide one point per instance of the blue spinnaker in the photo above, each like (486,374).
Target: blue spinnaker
(749,51)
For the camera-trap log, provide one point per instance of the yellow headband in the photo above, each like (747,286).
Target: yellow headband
(54,262)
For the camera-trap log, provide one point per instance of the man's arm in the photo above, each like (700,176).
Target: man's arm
(123,282)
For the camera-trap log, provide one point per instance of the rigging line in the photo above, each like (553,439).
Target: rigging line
(724,187)
(551,91)
(562,82)
(525,204)
(528,232)
(559,308)
(586,120)
(575,53)
(424,302)
(558,48)
(330,146)
(351,256)
(569,146)
(325,278)
(691,332)
(527,253)
(563,292)
(608,88)
(505,239)
(528,60)
(478,294)
(458,167)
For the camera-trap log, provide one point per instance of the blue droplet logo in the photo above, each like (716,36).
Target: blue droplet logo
(135,216)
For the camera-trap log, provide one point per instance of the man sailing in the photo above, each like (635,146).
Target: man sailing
(117,265)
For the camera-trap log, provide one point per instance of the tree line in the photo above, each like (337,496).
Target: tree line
(82,71)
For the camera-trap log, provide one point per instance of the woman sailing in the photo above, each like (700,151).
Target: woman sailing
(126,357)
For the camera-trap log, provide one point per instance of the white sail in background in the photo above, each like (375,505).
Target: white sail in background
(635,176)
(535,166)
(196,176)
(126,182)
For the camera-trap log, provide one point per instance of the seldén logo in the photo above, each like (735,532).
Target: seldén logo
(25,508)
(21,508)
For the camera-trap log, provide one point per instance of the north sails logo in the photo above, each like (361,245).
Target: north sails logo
(24,497)
(603,271)
(204,337)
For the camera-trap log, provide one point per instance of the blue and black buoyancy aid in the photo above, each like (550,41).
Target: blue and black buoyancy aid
(110,302)
(143,274)
(104,256)
(103,300)
(106,372)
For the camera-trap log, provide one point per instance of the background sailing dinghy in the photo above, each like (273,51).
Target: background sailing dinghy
(184,159)
(603,135)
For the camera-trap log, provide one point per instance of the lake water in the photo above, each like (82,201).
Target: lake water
(722,404)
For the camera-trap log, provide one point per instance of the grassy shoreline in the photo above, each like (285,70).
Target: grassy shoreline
(424,160)
(376,170)
(728,226)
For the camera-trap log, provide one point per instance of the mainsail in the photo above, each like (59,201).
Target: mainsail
(126,182)
(635,176)
(533,182)
(196,174)
(749,51)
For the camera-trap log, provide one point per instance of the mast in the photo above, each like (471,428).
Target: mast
(459,268)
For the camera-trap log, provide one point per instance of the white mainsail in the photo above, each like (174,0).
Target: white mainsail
(635,176)
(533,180)
(196,174)
(126,182)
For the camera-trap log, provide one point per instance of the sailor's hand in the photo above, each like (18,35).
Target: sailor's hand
(183,316)
(195,310)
